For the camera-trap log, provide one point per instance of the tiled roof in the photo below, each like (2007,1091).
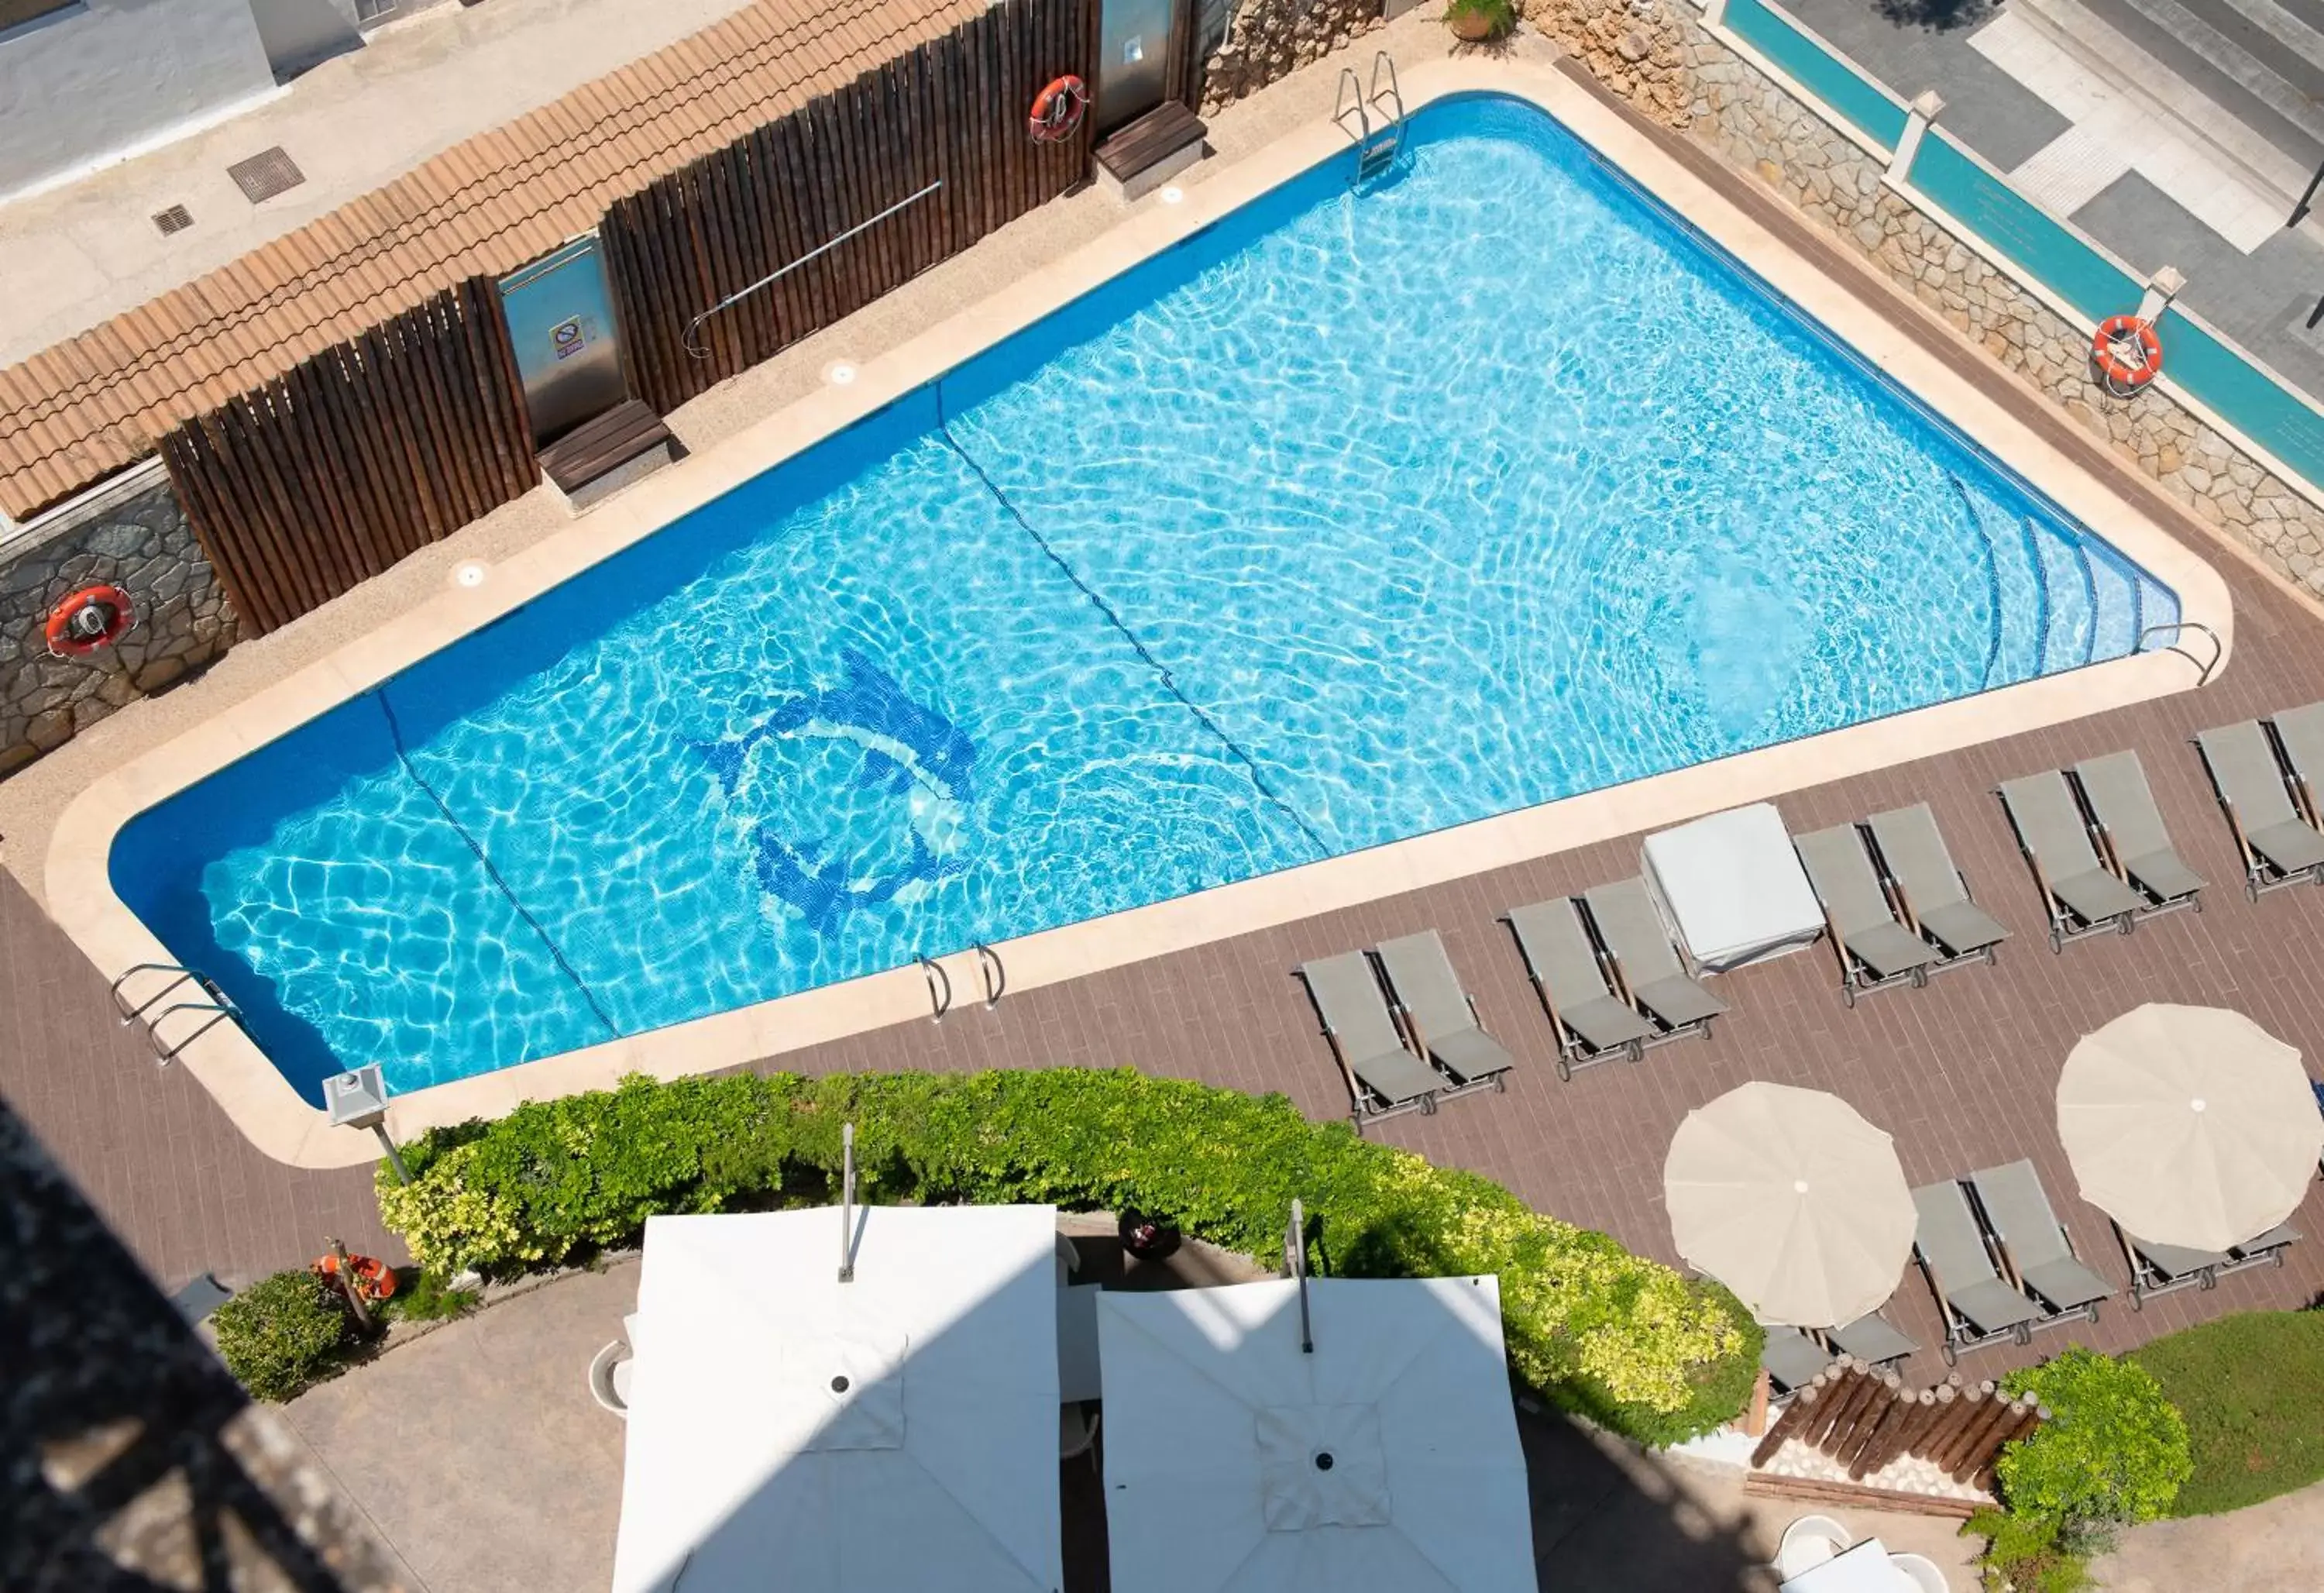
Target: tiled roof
(89,406)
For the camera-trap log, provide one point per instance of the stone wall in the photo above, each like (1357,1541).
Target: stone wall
(1658,55)
(1270,39)
(131,533)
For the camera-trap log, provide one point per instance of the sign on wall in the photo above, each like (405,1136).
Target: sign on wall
(560,321)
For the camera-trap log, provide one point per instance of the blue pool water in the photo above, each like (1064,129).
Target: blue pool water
(1358,515)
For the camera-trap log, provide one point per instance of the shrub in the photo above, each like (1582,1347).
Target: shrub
(282,1334)
(2027,1553)
(425,1297)
(1498,16)
(1596,1329)
(2113,1452)
(2251,1387)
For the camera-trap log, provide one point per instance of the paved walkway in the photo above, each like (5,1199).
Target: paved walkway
(478,1453)
(2277,1547)
(76,255)
(2179,163)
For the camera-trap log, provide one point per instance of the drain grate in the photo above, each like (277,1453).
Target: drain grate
(266,174)
(176,219)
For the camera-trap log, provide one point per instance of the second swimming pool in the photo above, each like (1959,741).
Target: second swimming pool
(1359,514)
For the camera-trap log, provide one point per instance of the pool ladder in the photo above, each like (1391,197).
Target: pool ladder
(215,1001)
(1352,109)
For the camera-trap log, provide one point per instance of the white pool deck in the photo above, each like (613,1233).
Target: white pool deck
(73,875)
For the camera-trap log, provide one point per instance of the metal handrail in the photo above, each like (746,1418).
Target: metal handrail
(1395,91)
(989,970)
(939,985)
(686,338)
(1341,104)
(220,1010)
(2174,628)
(129,1014)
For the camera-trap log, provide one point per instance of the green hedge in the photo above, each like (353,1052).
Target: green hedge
(2251,1388)
(1596,1329)
(282,1334)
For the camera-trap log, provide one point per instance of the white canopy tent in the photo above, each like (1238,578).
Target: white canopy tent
(1387,1459)
(896,1431)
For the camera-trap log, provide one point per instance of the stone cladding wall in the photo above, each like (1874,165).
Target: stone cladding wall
(134,535)
(1661,49)
(1270,39)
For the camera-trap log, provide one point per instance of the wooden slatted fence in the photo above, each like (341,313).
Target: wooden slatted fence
(953,110)
(360,455)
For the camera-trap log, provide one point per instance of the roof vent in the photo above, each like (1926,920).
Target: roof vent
(176,219)
(266,174)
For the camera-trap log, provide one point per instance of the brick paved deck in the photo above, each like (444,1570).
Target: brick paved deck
(1960,1072)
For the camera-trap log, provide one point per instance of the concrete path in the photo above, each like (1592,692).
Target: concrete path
(478,1454)
(2277,1547)
(477,1451)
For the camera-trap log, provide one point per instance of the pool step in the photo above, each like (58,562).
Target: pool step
(2017,578)
(2066,577)
(2114,628)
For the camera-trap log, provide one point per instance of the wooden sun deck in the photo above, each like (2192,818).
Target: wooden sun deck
(1961,1073)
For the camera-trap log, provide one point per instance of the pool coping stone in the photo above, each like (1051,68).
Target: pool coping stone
(283,1125)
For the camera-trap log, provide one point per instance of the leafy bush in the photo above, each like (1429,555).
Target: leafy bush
(2028,1553)
(425,1297)
(1598,1330)
(2252,1388)
(282,1334)
(1499,16)
(2113,1452)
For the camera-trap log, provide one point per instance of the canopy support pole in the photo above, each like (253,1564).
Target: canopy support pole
(1294,1255)
(847,1203)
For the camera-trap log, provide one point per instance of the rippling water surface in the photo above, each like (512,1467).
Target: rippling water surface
(1362,514)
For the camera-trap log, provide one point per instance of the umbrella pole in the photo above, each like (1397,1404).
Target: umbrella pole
(1294,1255)
(847,1203)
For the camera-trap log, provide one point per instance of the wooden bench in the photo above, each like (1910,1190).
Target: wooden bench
(1136,160)
(601,455)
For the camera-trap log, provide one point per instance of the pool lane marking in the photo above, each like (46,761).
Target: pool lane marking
(1161,671)
(395,736)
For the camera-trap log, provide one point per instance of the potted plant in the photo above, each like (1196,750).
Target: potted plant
(1475,21)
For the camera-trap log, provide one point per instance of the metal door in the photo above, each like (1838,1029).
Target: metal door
(1133,55)
(560,321)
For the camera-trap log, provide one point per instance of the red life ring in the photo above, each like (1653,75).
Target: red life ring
(91,618)
(374,1279)
(2118,335)
(1058,109)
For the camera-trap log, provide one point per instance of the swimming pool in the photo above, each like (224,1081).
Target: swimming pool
(1355,516)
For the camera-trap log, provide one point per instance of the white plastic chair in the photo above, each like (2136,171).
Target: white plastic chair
(609,1378)
(1077,1432)
(1922,1572)
(1808,1542)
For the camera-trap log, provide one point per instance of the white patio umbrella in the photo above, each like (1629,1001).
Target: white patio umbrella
(1792,1201)
(2189,1125)
(1386,1459)
(896,1430)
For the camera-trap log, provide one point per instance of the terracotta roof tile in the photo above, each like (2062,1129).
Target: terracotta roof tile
(80,411)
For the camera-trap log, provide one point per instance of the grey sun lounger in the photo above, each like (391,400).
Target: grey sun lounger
(1439,1018)
(2279,847)
(2079,894)
(1383,1077)
(1793,1358)
(1644,963)
(2033,1242)
(2132,825)
(2160,1269)
(1591,1026)
(1875,950)
(1976,1305)
(2299,732)
(1872,1339)
(1935,896)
